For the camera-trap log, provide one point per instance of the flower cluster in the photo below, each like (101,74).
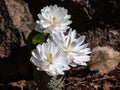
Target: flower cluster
(60,51)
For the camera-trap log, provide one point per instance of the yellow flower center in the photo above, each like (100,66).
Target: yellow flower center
(54,20)
(50,58)
(68,44)
(67,51)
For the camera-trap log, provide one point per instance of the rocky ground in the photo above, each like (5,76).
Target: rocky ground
(99,20)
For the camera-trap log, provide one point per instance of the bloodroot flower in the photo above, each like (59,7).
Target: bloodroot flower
(53,18)
(49,58)
(76,51)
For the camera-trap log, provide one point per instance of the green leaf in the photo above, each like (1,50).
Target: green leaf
(38,39)
(33,39)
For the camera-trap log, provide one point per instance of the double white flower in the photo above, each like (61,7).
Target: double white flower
(52,19)
(77,52)
(49,58)
(61,50)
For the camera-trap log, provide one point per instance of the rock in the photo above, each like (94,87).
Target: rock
(19,85)
(21,17)
(15,22)
(103,37)
(9,35)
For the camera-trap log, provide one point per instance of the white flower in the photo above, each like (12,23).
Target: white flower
(49,58)
(76,51)
(53,18)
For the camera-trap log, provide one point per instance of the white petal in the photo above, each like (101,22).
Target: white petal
(83,46)
(34,53)
(38,29)
(35,61)
(81,59)
(81,39)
